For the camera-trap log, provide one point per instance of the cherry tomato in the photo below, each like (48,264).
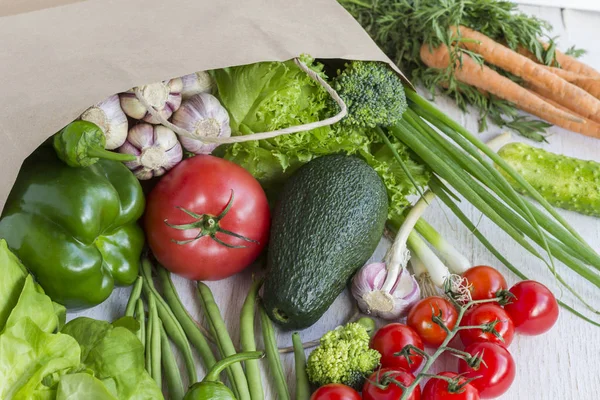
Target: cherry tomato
(483,314)
(495,373)
(419,318)
(391,391)
(335,391)
(484,282)
(207,219)
(533,309)
(439,389)
(391,339)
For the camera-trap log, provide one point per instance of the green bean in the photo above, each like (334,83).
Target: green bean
(248,342)
(140,316)
(221,335)
(172,326)
(272,353)
(302,385)
(136,290)
(211,327)
(172,375)
(154,344)
(190,327)
(149,325)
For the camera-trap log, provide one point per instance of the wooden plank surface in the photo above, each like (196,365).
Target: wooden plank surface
(562,364)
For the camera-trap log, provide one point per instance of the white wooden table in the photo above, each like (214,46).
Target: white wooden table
(560,365)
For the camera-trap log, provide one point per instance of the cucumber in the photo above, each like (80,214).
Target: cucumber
(566,182)
(327,223)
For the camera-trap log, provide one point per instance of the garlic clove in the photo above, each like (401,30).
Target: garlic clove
(156,147)
(372,299)
(203,116)
(196,83)
(164,97)
(111,119)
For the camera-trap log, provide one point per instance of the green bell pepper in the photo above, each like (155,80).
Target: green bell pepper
(75,229)
(81,144)
(211,388)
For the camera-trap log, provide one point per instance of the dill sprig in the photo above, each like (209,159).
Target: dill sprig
(400,27)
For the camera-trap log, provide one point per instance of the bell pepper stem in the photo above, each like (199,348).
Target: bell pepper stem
(215,371)
(110,155)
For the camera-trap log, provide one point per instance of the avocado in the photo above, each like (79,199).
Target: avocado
(326,224)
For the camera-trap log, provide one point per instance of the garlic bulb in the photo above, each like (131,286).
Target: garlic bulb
(203,116)
(164,97)
(198,82)
(367,289)
(156,147)
(111,119)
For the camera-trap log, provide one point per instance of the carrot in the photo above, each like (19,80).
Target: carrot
(590,85)
(566,62)
(590,128)
(562,91)
(486,79)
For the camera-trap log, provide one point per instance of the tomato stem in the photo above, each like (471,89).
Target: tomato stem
(208,225)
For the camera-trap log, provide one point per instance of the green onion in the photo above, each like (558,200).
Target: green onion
(457,160)
(457,263)
(472,228)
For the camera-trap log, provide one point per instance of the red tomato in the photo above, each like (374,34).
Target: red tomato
(534,309)
(483,314)
(335,391)
(391,391)
(419,318)
(495,373)
(485,282)
(439,389)
(391,339)
(224,203)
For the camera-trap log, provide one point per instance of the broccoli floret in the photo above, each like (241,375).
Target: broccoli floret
(373,93)
(343,356)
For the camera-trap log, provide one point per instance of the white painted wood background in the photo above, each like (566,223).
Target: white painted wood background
(560,365)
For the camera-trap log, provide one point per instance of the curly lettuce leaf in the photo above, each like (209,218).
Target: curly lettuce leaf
(274,95)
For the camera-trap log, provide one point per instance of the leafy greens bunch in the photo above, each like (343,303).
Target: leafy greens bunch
(42,360)
(273,95)
(401,27)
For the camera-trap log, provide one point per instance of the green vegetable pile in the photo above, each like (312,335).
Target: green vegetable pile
(272,95)
(41,359)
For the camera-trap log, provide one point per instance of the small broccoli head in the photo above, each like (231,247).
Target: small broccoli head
(343,356)
(373,93)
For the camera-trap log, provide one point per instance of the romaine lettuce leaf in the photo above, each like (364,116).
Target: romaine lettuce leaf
(28,355)
(11,284)
(115,355)
(82,386)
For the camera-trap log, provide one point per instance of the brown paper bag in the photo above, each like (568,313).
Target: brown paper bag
(58,57)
